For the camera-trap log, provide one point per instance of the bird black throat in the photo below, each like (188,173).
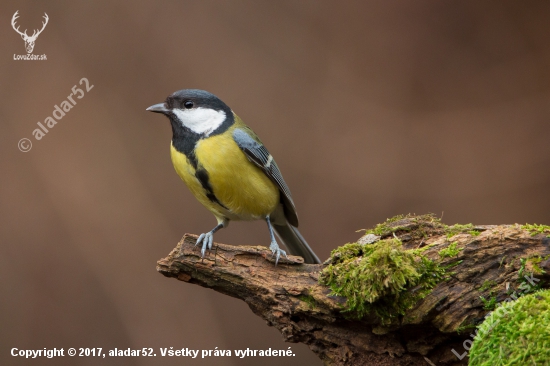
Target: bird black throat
(184,141)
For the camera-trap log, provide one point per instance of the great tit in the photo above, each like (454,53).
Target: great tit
(229,170)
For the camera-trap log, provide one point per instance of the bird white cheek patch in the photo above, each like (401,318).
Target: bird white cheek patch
(200,120)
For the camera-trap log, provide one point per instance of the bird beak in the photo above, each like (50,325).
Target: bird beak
(158,108)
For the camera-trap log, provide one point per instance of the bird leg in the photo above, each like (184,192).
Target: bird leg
(208,238)
(274,246)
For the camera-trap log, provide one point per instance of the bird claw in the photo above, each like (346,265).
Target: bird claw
(277,251)
(207,239)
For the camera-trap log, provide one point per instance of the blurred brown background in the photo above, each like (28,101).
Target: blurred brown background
(371,109)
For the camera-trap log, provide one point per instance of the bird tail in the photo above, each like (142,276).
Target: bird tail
(295,242)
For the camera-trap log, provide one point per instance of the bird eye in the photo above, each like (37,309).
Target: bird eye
(188,104)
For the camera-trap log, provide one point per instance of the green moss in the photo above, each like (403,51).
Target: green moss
(487,285)
(465,327)
(516,333)
(536,268)
(347,251)
(535,229)
(450,251)
(523,262)
(501,261)
(419,251)
(375,278)
(391,225)
(490,304)
(535,261)
(385,228)
(459,229)
(308,299)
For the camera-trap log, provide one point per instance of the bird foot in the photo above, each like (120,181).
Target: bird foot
(207,239)
(276,251)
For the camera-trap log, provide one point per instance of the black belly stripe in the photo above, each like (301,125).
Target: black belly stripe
(202,176)
(186,146)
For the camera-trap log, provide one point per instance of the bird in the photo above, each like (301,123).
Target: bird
(229,170)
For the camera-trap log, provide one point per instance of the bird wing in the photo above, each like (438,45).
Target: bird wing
(256,153)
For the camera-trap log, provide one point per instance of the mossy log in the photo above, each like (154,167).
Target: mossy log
(484,265)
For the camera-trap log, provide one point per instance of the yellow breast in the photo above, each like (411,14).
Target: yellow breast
(242,187)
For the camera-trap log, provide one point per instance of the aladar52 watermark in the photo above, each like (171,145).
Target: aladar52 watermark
(58,113)
(29,40)
(525,287)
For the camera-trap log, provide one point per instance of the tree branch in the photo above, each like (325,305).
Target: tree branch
(492,262)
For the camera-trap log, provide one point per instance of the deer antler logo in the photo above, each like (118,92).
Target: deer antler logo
(29,41)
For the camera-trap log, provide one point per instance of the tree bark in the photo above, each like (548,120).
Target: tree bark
(289,297)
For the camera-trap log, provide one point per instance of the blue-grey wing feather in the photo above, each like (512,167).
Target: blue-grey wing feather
(258,154)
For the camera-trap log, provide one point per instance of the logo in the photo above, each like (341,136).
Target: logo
(29,40)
